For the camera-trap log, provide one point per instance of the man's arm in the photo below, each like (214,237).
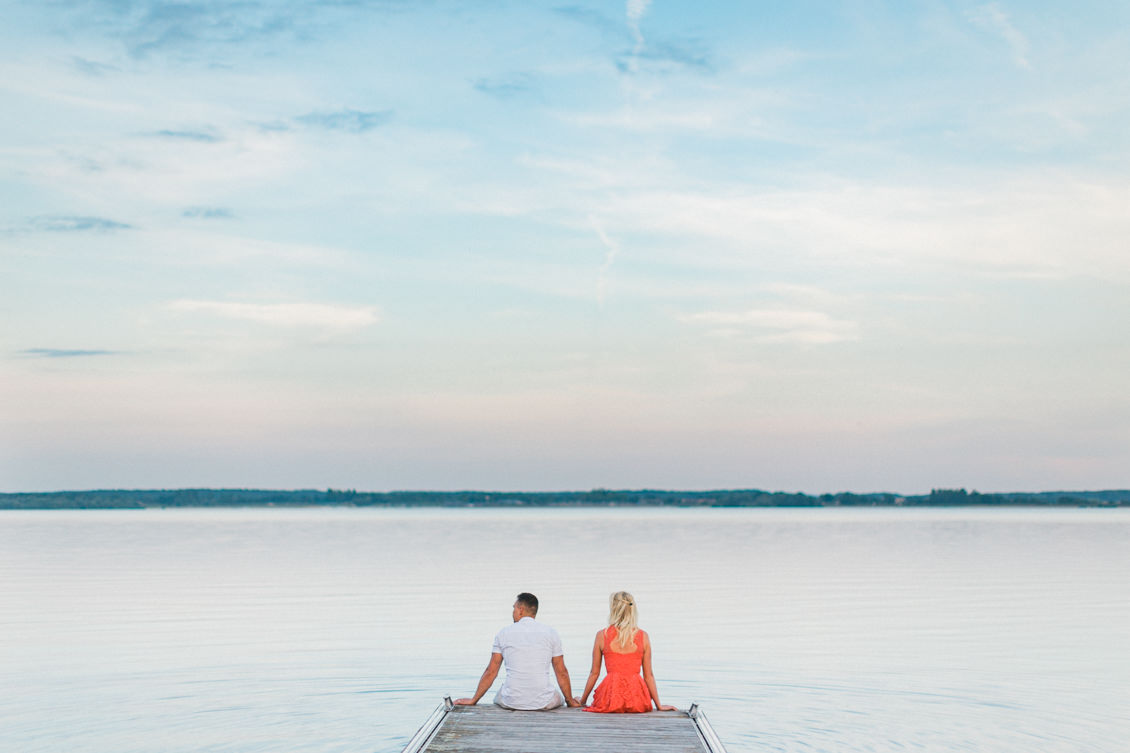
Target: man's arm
(487,680)
(563,680)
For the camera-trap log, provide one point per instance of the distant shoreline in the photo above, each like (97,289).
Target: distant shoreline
(120,499)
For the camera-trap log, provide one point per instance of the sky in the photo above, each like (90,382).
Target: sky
(798,246)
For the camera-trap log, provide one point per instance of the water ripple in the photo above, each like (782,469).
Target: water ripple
(339,630)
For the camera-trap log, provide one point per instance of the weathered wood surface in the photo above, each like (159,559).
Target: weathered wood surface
(487,728)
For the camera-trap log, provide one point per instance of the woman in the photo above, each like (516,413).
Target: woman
(626,650)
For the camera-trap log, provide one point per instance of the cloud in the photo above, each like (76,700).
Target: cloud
(158,26)
(648,118)
(354,121)
(206,137)
(612,249)
(65,353)
(991,17)
(670,52)
(92,67)
(186,29)
(591,18)
(773,60)
(586,171)
(273,126)
(664,52)
(75,223)
(325,315)
(797,291)
(1024,224)
(506,87)
(684,54)
(778,325)
(635,10)
(208,213)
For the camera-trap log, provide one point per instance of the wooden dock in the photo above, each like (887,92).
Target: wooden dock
(486,728)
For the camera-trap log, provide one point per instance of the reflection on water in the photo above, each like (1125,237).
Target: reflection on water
(340,629)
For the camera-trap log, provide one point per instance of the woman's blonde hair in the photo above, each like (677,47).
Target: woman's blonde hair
(622,616)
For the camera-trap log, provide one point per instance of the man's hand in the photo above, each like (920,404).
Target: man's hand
(573,702)
(485,681)
(563,680)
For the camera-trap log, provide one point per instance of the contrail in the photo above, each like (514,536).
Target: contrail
(636,10)
(612,248)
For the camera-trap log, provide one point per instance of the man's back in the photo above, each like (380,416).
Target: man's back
(527,649)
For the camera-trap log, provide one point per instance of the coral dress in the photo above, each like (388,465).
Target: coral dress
(622,688)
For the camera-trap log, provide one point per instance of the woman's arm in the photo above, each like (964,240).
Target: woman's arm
(649,676)
(594,673)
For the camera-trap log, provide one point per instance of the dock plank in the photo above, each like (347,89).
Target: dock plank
(488,728)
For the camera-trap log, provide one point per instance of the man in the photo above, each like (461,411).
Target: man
(533,657)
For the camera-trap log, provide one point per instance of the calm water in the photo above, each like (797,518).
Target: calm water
(340,629)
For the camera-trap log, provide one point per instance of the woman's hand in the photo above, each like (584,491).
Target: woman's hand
(665,708)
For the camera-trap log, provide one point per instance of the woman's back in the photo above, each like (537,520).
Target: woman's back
(616,661)
(624,688)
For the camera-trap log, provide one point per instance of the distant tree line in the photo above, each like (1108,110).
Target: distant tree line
(156,498)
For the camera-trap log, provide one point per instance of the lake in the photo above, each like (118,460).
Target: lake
(243,630)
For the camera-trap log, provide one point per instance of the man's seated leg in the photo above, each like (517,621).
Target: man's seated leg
(557,702)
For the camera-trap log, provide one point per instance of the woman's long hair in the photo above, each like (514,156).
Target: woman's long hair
(622,616)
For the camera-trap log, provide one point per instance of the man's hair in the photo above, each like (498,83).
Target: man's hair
(529,601)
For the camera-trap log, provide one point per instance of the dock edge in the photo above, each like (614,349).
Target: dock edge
(707,734)
(428,729)
(431,725)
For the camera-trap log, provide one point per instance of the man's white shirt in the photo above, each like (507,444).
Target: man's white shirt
(527,649)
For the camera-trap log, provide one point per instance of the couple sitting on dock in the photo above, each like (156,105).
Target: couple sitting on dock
(534,659)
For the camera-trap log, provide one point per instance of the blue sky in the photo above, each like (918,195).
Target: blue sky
(386,245)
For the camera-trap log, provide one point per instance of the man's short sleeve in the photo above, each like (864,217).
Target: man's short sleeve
(497,647)
(555,648)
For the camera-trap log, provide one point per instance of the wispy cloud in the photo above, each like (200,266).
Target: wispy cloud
(506,87)
(778,325)
(149,28)
(273,126)
(612,248)
(331,316)
(355,121)
(635,11)
(773,60)
(65,353)
(592,18)
(205,137)
(208,213)
(152,27)
(665,52)
(74,223)
(649,119)
(685,53)
(92,67)
(991,17)
(1024,225)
